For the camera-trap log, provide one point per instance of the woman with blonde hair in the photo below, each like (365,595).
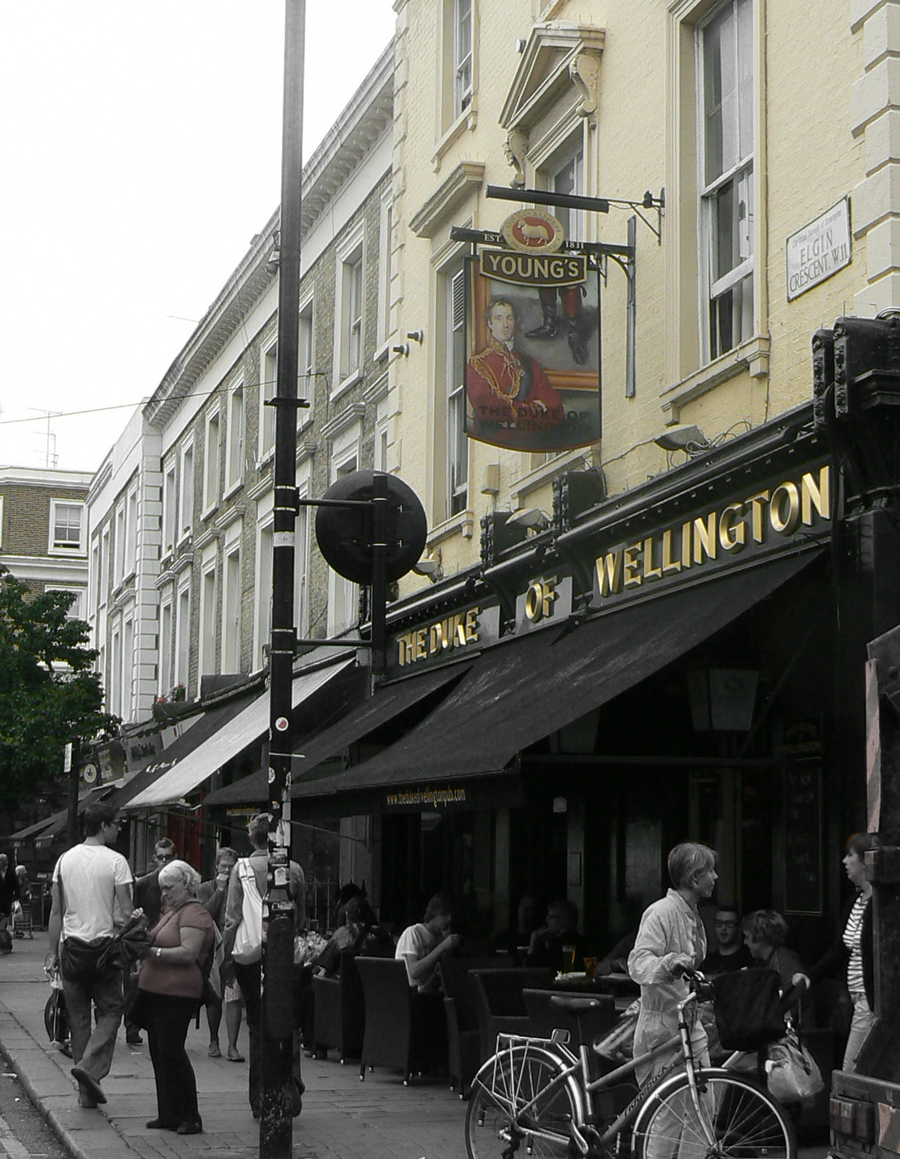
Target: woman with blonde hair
(170,989)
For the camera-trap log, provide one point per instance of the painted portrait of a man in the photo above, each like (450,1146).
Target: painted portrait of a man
(507,388)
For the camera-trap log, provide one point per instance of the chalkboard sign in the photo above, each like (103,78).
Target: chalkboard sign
(803,838)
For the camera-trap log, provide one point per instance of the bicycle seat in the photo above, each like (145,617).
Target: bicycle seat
(574,1005)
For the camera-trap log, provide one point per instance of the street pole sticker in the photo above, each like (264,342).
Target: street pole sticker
(281,724)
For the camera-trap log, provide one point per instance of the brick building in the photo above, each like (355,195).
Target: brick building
(43,529)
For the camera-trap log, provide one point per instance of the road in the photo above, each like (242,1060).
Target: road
(23,1132)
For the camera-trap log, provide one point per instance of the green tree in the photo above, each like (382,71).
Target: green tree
(49,694)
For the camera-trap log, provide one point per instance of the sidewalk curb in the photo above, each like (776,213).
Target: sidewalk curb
(57,1086)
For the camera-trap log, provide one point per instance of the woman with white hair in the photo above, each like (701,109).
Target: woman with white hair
(170,988)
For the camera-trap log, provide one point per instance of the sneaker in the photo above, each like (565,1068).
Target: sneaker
(214,1051)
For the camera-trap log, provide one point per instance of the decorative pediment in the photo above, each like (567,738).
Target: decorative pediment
(557,57)
(467,175)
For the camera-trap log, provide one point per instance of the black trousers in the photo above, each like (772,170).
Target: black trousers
(167,1019)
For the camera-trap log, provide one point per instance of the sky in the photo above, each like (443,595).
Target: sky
(141,151)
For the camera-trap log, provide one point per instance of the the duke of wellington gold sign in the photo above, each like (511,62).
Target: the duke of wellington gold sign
(718,534)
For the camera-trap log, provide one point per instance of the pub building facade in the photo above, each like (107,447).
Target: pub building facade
(685,661)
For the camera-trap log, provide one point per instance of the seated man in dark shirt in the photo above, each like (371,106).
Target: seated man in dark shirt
(730,953)
(560,929)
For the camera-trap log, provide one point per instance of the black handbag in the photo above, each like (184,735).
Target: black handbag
(748,1009)
(85,960)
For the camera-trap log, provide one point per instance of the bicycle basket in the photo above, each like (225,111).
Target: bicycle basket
(748,1013)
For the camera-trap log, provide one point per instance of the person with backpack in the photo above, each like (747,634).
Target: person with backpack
(170,988)
(243,947)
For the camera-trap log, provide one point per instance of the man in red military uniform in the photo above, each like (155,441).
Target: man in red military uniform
(509,390)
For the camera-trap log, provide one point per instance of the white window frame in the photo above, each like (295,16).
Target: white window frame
(456,441)
(385,227)
(463,58)
(186,491)
(1,522)
(573,155)
(262,611)
(126,702)
(77,610)
(104,567)
(182,640)
(94,582)
(234,438)
(738,282)
(349,312)
(306,353)
(231,600)
(212,444)
(131,531)
(169,508)
(58,546)
(166,643)
(119,538)
(114,683)
(343,595)
(209,592)
(268,384)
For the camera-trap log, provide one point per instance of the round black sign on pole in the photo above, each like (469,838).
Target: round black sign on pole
(346,534)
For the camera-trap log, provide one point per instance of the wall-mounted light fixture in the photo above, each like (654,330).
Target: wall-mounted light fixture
(683,437)
(531,518)
(430,565)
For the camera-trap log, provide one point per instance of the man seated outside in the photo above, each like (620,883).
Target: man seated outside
(730,952)
(360,933)
(423,945)
(546,947)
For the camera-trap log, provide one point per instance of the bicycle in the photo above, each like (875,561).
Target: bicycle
(537,1096)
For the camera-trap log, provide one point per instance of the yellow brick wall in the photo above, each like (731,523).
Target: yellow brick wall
(806,159)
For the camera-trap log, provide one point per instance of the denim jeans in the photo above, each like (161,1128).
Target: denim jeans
(93,1050)
(862,1022)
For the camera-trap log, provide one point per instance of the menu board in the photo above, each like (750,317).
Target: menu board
(803,838)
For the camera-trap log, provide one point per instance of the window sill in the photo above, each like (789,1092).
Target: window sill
(233,489)
(344,385)
(208,511)
(381,354)
(467,119)
(68,552)
(751,356)
(265,458)
(463,522)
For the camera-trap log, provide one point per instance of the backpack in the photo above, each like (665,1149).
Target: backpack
(247,947)
(748,1009)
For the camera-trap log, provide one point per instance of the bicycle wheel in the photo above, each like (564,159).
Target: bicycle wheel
(738,1119)
(512,1112)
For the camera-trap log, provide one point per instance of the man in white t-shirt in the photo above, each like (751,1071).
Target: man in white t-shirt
(423,945)
(91,886)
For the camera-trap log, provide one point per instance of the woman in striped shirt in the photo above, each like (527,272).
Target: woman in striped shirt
(855,948)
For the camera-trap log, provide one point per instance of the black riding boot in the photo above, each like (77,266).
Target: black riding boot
(547,328)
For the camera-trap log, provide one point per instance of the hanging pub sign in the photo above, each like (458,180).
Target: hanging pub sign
(532,341)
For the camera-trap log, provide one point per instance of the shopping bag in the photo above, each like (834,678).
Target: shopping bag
(748,1009)
(792,1074)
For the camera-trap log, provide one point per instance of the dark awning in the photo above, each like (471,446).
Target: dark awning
(522,690)
(388,703)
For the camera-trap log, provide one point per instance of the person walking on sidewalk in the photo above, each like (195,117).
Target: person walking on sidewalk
(243,945)
(170,988)
(213,894)
(91,884)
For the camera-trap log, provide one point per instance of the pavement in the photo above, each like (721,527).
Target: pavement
(342,1117)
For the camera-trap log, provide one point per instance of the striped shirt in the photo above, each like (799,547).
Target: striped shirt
(853,942)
